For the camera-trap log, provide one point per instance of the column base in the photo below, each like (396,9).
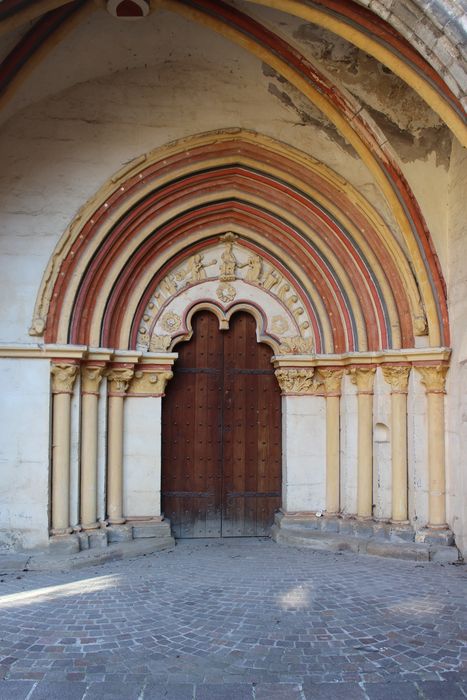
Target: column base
(64,544)
(61,531)
(119,533)
(116,521)
(435,535)
(90,526)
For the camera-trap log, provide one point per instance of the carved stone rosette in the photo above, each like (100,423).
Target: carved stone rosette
(363,378)
(398,377)
(91,378)
(297,381)
(119,379)
(433,378)
(332,380)
(149,382)
(63,377)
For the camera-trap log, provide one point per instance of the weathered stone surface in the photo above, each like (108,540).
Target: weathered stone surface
(119,533)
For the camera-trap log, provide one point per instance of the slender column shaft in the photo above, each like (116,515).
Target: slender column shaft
(398,377)
(332,455)
(63,377)
(115,461)
(61,464)
(119,379)
(332,384)
(89,462)
(91,378)
(365,456)
(363,377)
(434,379)
(399,457)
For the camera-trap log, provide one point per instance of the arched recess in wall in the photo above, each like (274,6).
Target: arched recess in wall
(325,244)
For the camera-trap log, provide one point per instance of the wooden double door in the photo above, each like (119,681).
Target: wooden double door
(221,433)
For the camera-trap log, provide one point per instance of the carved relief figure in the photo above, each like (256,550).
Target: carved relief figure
(272,278)
(255,266)
(196,269)
(228,264)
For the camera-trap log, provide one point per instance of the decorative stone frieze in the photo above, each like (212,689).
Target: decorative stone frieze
(149,382)
(296,345)
(297,381)
(398,377)
(63,377)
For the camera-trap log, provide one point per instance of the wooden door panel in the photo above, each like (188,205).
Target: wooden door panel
(192,437)
(221,445)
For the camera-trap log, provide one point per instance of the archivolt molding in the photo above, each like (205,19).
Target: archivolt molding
(227,277)
(329,236)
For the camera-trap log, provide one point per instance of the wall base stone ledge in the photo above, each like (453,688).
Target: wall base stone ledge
(362,537)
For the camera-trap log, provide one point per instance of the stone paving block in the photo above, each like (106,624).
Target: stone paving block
(58,690)
(172,691)
(277,691)
(15,690)
(224,691)
(111,690)
(333,691)
(440,690)
(393,690)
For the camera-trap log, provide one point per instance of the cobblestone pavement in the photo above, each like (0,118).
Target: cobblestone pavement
(236,619)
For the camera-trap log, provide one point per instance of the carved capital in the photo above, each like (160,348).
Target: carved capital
(297,381)
(332,379)
(63,377)
(398,377)
(91,377)
(119,379)
(363,378)
(433,378)
(150,382)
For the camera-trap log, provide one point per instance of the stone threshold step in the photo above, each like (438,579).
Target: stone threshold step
(364,545)
(10,563)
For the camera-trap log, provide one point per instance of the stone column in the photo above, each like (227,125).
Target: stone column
(398,377)
(142,451)
(63,378)
(332,385)
(118,379)
(363,378)
(91,377)
(434,380)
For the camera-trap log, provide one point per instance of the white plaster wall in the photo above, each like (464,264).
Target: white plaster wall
(303,453)
(382,478)
(142,457)
(456,399)
(24,452)
(349,436)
